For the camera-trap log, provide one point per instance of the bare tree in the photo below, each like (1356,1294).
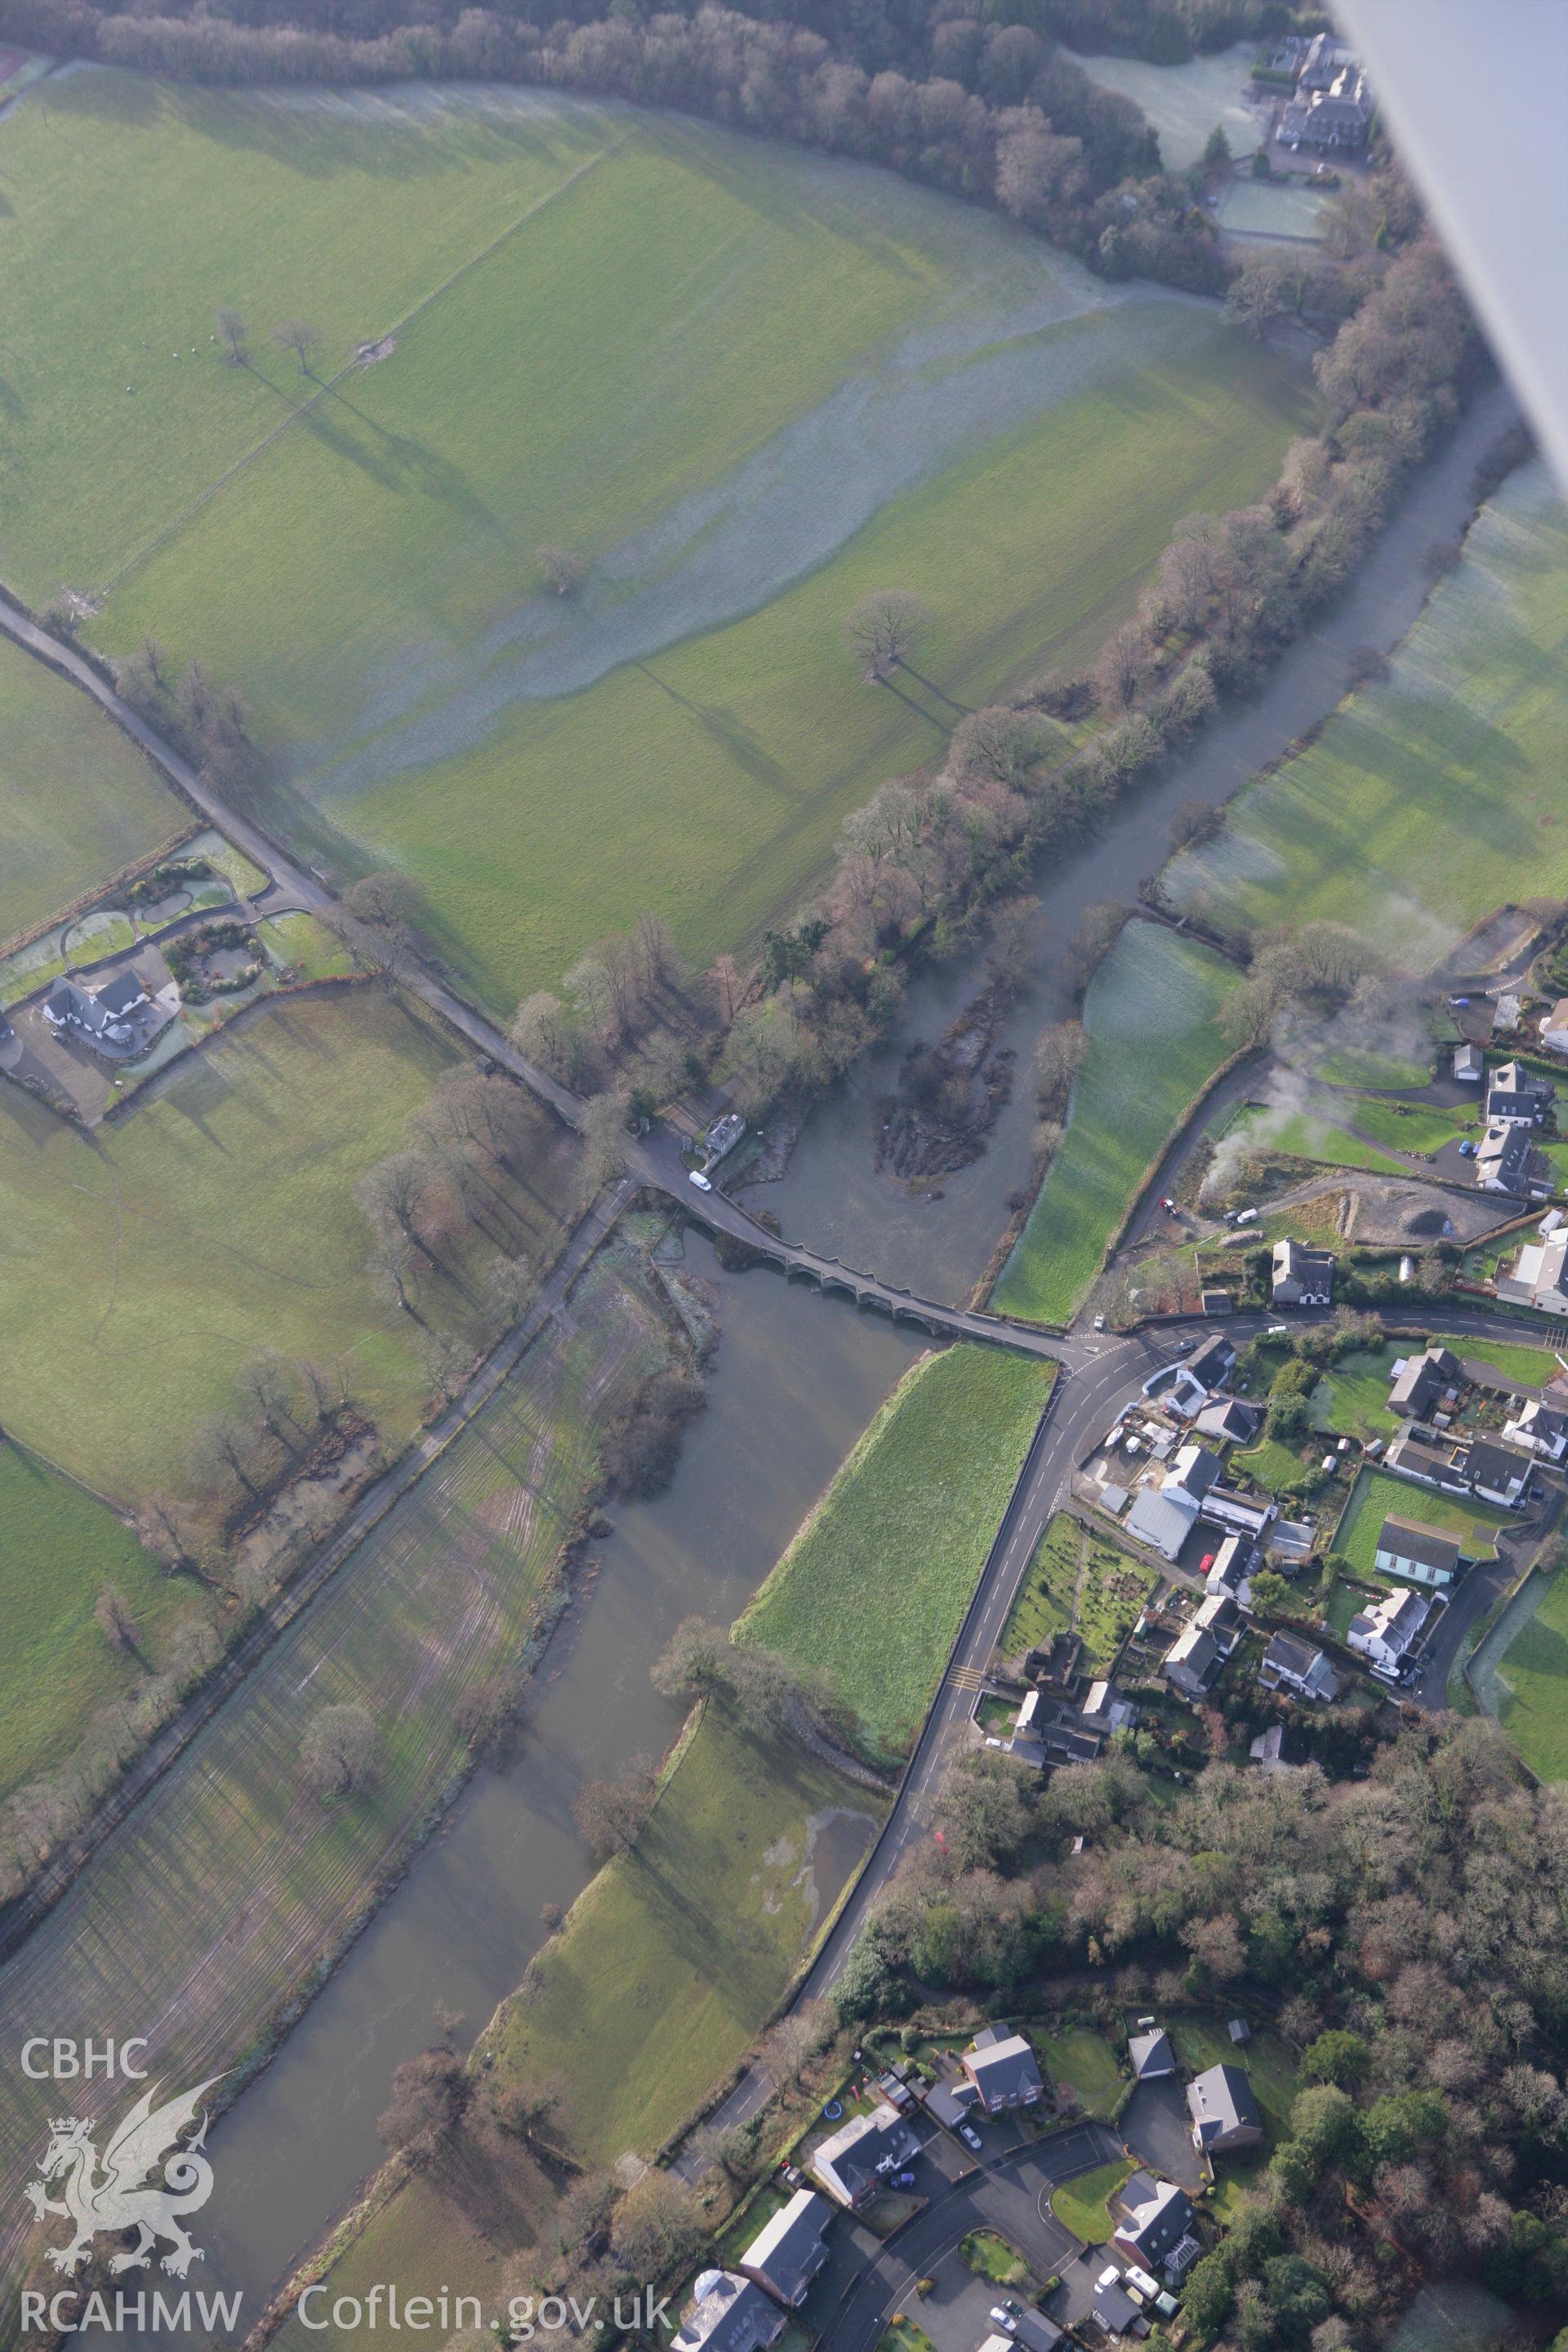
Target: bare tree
(219,1451)
(1122,665)
(166,1527)
(603,1120)
(337,1751)
(429,2096)
(588,985)
(387,900)
(297,335)
(231,328)
(393,1191)
(790,2045)
(389,1264)
(112,1612)
(883,628)
(1096,933)
(268,1391)
(610,1814)
(564,569)
(1059,1057)
(525,2109)
(543,1031)
(1263,289)
(724,977)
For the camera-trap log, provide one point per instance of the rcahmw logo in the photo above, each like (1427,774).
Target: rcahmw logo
(152,2173)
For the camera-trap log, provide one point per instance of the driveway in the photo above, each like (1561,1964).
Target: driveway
(1156,2126)
(865,2280)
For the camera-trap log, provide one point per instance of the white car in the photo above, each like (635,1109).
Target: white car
(971,2138)
(695,1176)
(1099,1322)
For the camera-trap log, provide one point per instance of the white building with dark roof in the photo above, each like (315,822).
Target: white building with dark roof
(855,2163)
(728,2313)
(1386,1634)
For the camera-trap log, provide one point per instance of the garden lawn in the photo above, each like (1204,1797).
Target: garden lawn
(1077,1582)
(1152,1014)
(1359,1065)
(1532,1674)
(1514,1358)
(1082,2205)
(1351,1398)
(1377,1494)
(217,1219)
(59,1547)
(675,1953)
(1277,1468)
(599,318)
(873,1588)
(1428,794)
(1411,1127)
(1086,2061)
(77,799)
(1300,1136)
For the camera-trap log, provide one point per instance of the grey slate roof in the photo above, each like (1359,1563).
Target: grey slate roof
(727,2314)
(1412,1539)
(788,2251)
(1221,2104)
(1151,2054)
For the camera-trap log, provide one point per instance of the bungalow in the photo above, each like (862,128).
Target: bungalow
(1541,1429)
(788,2251)
(1153,2215)
(1469,1065)
(1196,1469)
(1517,1097)
(853,2164)
(1409,1547)
(1539,1274)
(1420,1381)
(1301,1277)
(1429,1463)
(1386,1634)
(1212,1362)
(1497,1473)
(1504,1160)
(727,2314)
(1292,1664)
(1224,2112)
(1229,1420)
(1003,2069)
(1555,1028)
(1152,2055)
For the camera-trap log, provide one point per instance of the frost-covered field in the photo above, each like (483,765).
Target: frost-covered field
(1442,792)
(1186,103)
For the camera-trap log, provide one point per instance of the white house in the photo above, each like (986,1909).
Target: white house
(1555,1028)
(1540,1275)
(1409,1547)
(1541,1429)
(1300,1276)
(1387,1632)
(1517,1097)
(1469,1065)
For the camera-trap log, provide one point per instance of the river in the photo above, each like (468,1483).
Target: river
(831,1195)
(796,1378)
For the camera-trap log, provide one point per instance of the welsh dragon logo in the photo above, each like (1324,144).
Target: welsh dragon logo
(115,2198)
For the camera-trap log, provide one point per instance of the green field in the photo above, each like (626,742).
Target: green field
(1377,1495)
(59,1549)
(140,1266)
(1532,1679)
(1428,795)
(1411,1127)
(77,801)
(1359,1065)
(873,1588)
(600,317)
(1273,1466)
(219,1893)
(1077,1582)
(1155,1042)
(675,1952)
